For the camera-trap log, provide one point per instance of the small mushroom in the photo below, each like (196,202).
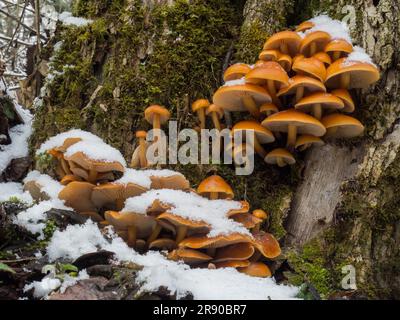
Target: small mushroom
(261,134)
(256,269)
(68,179)
(271,75)
(268,108)
(162,244)
(239,251)
(338,48)
(236,71)
(280,157)
(156,115)
(215,187)
(342,126)
(324,58)
(345,96)
(241,97)
(260,214)
(78,196)
(304,26)
(267,245)
(216,114)
(311,67)
(294,122)
(287,42)
(175,181)
(306,141)
(216,242)
(200,106)
(141,136)
(269,55)
(346,74)
(285,61)
(248,220)
(319,101)
(189,256)
(300,86)
(314,42)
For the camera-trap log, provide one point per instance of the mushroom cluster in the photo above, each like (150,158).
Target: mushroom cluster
(300,87)
(186,239)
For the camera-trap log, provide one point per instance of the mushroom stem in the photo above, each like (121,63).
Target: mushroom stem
(280,162)
(156,121)
(92,176)
(259,148)
(181,233)
(331,131)
(313,48)
(335,55)
(202,118)
(317,111)
(284,48)
(272,91)
(292,133)
(154,235)
(251,106)
(132,236)
(299,93)
(213,195)
(345,80)
(142,153)
(211,252)
(215,120)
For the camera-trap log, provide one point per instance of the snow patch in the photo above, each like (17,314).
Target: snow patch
(48,185)
(67,19)
(44,287)
(191,206)
(142,177)
(337,29)
(358,55)
(14,190)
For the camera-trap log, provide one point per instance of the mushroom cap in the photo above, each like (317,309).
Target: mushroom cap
(214,242)
(309,84)
(338,45)
(304,26)
(189,256)
(141,134)
(87,163)
(323,57)
(260,214)
(308,139)
(326,100)
(270,70)
(107,194)
(214,108)
(236,71)
(68,179)
(195,227)
(163,244)
(217,184)
(269,55)
(248,220)
(230,97)
(346,126)
(268,107)
(239,251)
(285,61)
(156,109)
(175,182)
(320,38)
(67,143)
(262,134)
(122,221)
(345,96)
(311,67)
(362,74)
(290,38)
(256,269)
(232,264)
(80,173)
(77,195)
(286,156)
(266,244)
(245,207)
(305,123)
(200,104)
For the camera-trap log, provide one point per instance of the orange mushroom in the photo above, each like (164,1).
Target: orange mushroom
(301,85)
(216,114)
(338,48)
(319,101)
(342,126)
(215,187)
(236,71)
(200,106)
(287,42)
(280,157)
(156,115)
(306,141)
(256,269)
(78,195)
(314,42)
(311,67)
(345,96)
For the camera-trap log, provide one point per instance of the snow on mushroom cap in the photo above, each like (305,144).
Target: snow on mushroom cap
(235,82)
(191,206)
(48,185)
(142,177)
(336,29)
(158,271)
(97,151)
(358,55)
(59,139)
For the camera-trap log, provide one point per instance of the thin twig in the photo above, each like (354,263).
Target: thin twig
(4,37)
(37,22)
(17,27)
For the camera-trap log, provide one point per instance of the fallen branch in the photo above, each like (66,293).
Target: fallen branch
(28,44)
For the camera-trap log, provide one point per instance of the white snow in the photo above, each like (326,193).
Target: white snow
(337,29)
(19,135)
(178,278)
(48,185)
(67,19)
(14,190)
(70,281)
(142,177)
(358,55)
(191,206)
(236,82)
(44,287)
(59,139)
